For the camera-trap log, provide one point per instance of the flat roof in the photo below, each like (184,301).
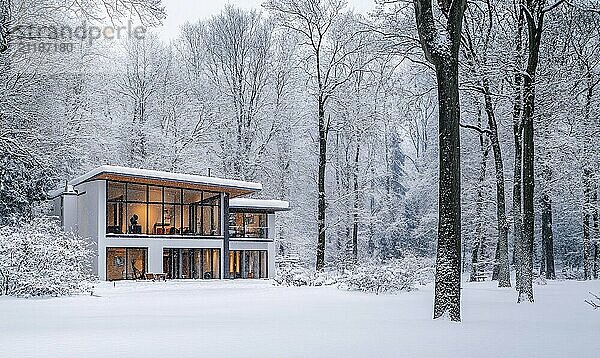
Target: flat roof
(236,187)
(246,203)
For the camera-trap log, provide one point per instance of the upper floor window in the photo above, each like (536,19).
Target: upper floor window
(133,208)
(250,225)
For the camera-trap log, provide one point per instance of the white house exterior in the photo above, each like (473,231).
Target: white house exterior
(181,225)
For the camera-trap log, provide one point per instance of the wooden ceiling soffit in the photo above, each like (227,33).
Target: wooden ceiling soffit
(233,192)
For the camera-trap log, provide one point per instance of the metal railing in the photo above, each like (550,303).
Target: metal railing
(248,232)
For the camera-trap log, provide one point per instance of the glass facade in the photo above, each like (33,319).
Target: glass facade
(125,263)
(140,209)
(191,263)
(248,264)
(248,225)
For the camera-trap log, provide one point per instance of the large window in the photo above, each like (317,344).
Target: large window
(141,209)
(249,225)
(191,263)
(125,263)
(248,264)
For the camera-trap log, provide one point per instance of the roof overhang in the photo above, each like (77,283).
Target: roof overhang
(155,177)
(259,204)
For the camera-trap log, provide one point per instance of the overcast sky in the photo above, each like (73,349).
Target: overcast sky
(181,11)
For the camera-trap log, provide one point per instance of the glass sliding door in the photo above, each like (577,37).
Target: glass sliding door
(191,263)
(248,264)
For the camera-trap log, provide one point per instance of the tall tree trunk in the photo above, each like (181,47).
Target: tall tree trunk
(587,186)
(447,277)
(518,151)
(526,246)
(444,56)
(516,204)
(321,185)
(356,203)
(4,24)
(501,263)
(547,262)
(547,257)
(595,233)
(587,209)
(478,247)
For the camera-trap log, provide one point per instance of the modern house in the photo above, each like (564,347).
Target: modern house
(180,225)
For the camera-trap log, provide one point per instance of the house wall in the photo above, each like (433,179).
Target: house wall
(68,204)
(90,218)
(271,234)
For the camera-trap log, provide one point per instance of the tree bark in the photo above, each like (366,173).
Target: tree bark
(447,282)
(478,248)
(587,187)
(526,245)
(595,234)
(4,23)
(444,56)
(356,203)
(518,151)
(587,272)
(501,262)
(547,262)
(321,206)
(547,257)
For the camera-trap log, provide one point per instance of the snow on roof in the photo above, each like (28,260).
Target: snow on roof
(156,174)
(246,203)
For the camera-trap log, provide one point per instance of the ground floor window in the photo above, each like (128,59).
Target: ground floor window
(191,263)
(248,264)
(125,263)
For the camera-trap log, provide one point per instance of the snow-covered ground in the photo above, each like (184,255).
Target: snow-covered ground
(255,319)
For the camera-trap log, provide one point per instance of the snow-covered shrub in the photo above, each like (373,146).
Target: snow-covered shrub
(371,276)
(571,273)
(292,275)
(396,275)
(37,258)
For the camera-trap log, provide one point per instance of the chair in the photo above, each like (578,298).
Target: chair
(160,276)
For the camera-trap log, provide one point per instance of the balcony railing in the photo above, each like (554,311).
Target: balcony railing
(248,232)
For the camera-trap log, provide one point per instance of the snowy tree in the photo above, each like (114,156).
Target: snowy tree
(441,47)
(330,36)
(37,258)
